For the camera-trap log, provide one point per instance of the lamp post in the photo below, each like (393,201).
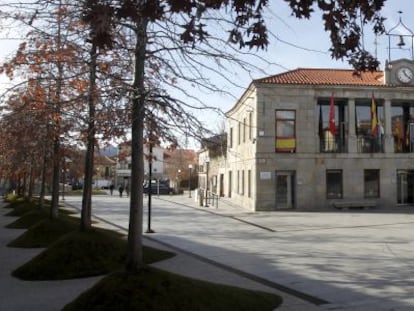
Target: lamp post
(190,167)
(63,183)
(149,230)
(178,181)
(64,171)
(207,160)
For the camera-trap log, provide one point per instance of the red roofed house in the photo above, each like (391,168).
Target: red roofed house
(321,138)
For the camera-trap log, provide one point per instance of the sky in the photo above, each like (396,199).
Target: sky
(302,44)
(305,44)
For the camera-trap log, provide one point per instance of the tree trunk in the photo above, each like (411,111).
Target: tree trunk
(86,213)
(134,252)
(43,181)
(54,209)
(31,182)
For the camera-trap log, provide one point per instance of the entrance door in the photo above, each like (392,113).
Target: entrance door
(285,189)
(405,187)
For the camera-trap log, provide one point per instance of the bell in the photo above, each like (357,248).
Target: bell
(401,43)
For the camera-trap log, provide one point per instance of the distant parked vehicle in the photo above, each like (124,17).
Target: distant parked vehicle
(101,183)
(158,188)
(77,186)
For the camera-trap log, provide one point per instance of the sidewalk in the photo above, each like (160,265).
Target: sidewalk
(349,260)
(198,267)
(17,295)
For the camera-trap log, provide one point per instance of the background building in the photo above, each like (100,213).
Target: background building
(123,168)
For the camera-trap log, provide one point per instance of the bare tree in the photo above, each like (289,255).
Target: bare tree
(246,27)
(169,42)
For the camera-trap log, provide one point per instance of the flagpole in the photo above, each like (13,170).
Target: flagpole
(374,119)
(332,126)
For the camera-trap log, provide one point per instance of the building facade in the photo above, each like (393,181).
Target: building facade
(310,138)
(212,159)
(123,167)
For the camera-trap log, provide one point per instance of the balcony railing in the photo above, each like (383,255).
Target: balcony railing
(365,144)
(370,144)
(331,144)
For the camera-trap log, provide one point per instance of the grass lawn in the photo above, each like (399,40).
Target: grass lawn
(153,289)
(74,254)
(20,207)
(82,254)
(43,232)
(28,219)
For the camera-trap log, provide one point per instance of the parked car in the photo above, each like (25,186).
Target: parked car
(158,188)
(77,186)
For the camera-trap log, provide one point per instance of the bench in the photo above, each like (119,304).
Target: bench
(348,204)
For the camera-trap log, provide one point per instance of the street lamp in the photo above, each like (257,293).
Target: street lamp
(190,167)
(178,181)
(207,160)
(64,171)
(149,230)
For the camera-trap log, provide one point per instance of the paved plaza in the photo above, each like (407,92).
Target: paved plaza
(339,260)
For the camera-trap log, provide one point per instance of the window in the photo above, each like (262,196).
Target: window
(405,186)
(242,182)
(402,127)
(371,183)
(334,184)
(231,138)
(250,125)
(249,183)
(238,133)
(285,131)
(336,141)
(230,185)
(244,129)
(369,141)
(238,182)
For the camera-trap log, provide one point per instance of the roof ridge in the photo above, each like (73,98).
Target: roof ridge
(324,76)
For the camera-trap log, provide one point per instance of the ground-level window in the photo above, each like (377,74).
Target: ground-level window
(334,184)
(372,183)
(249,183)
(230,185)
(405,186)
(238,182)
(285,131)
(242,182)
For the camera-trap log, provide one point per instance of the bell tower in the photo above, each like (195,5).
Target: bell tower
(400,71)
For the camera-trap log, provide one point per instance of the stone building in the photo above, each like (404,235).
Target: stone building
(317,138)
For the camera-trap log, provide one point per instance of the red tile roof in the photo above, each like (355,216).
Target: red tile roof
(308,76)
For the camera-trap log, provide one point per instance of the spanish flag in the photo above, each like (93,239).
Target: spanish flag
(374,120)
